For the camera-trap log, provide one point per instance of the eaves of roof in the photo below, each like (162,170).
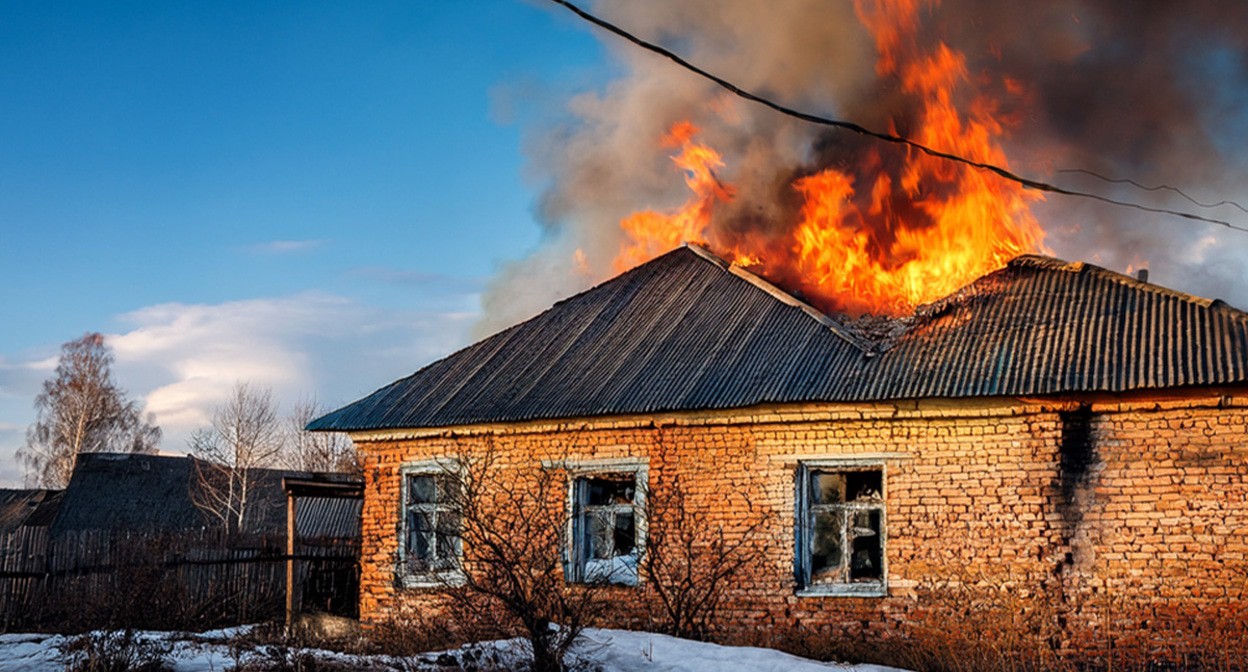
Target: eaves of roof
(688,331)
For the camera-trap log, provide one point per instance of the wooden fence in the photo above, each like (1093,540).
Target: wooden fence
(162,580)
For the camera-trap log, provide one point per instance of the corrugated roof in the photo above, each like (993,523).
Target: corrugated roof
(32,508)
(152,492)
(328,517)
(687,331)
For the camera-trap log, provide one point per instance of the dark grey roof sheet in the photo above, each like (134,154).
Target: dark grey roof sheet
(152,492)
(128,491)
(687,331)
(33,508)
(328,517)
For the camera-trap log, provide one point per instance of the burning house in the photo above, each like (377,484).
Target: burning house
(1068,435)
(878,371)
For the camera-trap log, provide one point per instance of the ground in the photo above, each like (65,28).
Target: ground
(605,650)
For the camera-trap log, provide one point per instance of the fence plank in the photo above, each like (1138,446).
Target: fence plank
(101,578)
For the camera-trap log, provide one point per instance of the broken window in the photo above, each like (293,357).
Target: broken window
(841,530)
(430,548)
(606,521)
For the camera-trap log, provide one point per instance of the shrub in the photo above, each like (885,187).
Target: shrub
(115,651)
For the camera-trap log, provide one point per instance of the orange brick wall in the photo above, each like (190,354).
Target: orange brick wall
(1152,533)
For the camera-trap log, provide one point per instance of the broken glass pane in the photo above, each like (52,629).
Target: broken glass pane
(421,489)
(448,523)
(419,535)
(448,488)
(864,485)
(866,563)
(827,488)
(611,490)
(446,542)
(600,533)
(625,536)
(826,557)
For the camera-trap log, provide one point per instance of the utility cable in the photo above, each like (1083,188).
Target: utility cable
(1159,187)
(850,126)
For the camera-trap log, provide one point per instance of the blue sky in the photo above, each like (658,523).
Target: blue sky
(320,198)
(306,194)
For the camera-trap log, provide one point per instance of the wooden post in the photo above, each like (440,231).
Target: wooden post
(312,485)
(290,560)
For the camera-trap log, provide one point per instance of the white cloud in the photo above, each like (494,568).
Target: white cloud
(284,246)
(182,359)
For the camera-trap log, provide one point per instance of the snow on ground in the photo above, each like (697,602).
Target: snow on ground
(624,651)
(608,650)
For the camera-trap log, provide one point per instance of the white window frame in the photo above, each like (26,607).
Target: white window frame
(435,578)
(576,564)
(804,528)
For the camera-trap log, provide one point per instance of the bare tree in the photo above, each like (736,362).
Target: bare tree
(82,410)
(693,559)
(317,451)
(245,435)
(511,524)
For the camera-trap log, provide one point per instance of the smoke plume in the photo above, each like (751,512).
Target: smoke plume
(1153,91)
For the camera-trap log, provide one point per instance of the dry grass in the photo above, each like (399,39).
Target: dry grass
(117,651)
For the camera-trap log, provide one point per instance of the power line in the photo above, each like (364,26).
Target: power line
(1159,187)
(850,126)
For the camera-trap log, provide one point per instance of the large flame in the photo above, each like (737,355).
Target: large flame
(654,233)
(885,234)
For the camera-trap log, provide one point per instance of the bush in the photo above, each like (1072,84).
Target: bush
(116,651)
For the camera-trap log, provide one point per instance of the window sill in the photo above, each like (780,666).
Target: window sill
(845,590)
(453,579)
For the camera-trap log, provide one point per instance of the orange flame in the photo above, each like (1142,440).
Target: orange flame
(875,238)
(654,233)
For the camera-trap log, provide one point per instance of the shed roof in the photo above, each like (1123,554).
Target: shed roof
(688,331)
(27,508)
(152,492)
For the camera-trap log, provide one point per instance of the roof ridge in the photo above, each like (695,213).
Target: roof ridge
(1056,264)
(782,296)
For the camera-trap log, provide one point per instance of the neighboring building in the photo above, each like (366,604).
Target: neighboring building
(124,545)
(27,509)
(155,493)
(1054,436)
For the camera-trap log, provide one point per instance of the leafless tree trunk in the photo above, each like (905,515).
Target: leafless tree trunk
(245,435)
(693,559)
(317,451)
(81,410)
(512,526)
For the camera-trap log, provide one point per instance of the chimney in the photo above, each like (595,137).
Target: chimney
(1142,275)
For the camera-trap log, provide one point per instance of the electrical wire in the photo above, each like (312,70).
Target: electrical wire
(852,127)
(1159,187)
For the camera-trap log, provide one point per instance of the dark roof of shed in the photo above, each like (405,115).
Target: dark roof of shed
(152,492)
(131,491)
(687,331)
(27,508)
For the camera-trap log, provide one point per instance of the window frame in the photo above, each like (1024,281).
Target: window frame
(436,578)
(575,552)
(804,527)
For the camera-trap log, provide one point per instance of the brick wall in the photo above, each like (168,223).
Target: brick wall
(1094,524)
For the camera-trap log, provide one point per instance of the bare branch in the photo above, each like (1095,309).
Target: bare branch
(82,410)
(693,559)
(512,525)
(317,451)
(245,435)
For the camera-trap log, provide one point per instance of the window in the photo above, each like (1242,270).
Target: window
(841,530)
(607,527)
(430,548)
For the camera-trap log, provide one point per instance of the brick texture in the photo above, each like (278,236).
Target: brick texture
(1124,524)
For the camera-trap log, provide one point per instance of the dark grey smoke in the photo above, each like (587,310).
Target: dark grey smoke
(1152,90)
(1156,91)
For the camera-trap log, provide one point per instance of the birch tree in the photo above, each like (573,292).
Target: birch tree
(82,410)
(317,451)
(245,434)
